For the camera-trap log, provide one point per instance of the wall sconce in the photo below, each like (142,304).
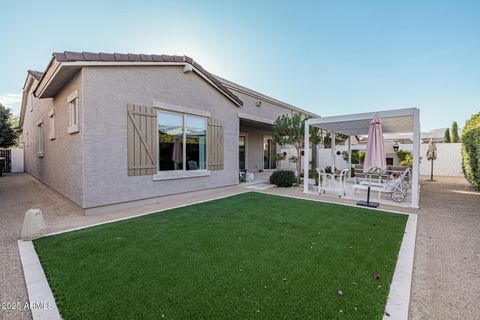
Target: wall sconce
(396,146)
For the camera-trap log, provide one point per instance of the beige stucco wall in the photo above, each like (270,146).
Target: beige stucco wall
(90,167)
(61,164)
(108,90)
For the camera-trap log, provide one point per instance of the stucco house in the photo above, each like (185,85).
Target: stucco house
(110,130)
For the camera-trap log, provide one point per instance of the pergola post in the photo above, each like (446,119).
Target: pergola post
(349,156)
(333,146)
(416,159)
(306,156)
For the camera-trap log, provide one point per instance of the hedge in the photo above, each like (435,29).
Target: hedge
(471,150)
(283,178)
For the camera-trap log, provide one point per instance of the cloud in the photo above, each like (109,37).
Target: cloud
(12,101)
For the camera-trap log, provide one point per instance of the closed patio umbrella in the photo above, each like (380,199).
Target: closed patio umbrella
(431,155)
(374,155)
(177,154)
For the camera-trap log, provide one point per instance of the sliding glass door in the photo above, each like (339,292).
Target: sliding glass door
(242,148)
(269,149)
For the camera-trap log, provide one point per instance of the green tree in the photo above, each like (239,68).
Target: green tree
(8,137)
(455,136)
(471,150)
(289,129)
(315,139)
(446,136)
(405,157)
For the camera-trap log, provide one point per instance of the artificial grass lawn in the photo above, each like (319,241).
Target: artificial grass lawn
(244,257)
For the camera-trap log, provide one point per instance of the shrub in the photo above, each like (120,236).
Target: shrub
(471,150)
(405,157)
(283,178)
(358,156)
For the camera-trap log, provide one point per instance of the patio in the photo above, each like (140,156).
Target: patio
(398,121)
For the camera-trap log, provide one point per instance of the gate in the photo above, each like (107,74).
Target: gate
(7,162)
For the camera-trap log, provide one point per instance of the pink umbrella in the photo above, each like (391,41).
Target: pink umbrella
(375,153)
(177,154)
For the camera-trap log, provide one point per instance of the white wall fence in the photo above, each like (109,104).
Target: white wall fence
(448,163)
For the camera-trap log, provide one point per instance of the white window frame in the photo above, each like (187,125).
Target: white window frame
(51,124)
(183,173)
(40,139)
(73,110)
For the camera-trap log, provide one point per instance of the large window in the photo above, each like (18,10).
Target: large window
(181,141)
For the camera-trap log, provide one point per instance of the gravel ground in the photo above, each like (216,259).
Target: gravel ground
(446,278)
(446,274)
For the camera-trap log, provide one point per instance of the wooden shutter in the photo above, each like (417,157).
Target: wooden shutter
(215,144)
(142,140)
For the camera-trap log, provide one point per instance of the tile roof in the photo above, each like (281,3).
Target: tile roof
(69,56)
(36,74)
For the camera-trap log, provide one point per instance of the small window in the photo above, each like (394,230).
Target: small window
(40,139)
(51,125)
(73,112)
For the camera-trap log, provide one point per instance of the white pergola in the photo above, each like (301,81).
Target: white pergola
(393,122)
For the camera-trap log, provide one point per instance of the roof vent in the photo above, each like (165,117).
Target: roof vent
(187,68)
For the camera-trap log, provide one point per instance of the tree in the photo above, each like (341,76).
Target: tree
(455,136)
(446,136)
(7,134)
(289,129)
(405,157)
(471,150)
(315,139)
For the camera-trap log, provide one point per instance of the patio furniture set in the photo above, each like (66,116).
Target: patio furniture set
(392,182)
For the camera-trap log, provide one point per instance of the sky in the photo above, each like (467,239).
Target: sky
(329,57)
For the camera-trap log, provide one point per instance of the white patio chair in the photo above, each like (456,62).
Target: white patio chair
(397,187)
(327,182)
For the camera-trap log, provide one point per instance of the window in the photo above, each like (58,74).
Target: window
(40,139)
(51,125)
(73,112)
(182,142)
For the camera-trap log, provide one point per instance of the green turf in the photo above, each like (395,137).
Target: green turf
(250,256)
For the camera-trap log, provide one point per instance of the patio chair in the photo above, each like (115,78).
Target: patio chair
(397,187)
(325,179)
(192,165)
(242,175)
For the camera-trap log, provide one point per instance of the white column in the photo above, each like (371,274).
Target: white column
(306,152)
(333,150)
(416,160)
(350,156)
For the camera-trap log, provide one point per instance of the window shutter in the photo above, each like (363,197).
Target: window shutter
(142,140)
(215,144)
